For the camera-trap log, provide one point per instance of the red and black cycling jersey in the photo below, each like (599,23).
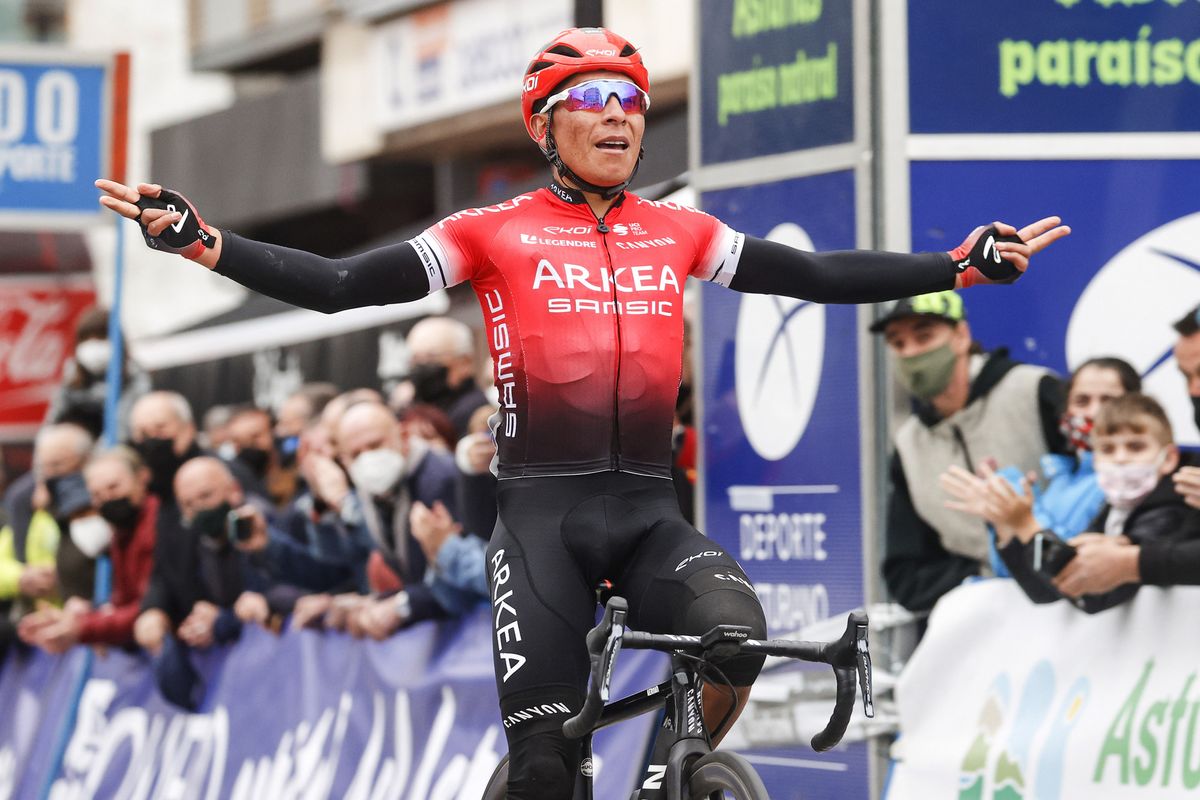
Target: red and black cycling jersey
(584,321)
(584,316)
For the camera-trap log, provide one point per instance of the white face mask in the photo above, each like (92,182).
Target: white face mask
(94,355)
(91,534)
(1126,485)
(376,472)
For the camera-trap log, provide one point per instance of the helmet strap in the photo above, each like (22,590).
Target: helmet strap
(605,192)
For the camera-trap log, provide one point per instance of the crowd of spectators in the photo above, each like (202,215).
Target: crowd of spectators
(1076,488)
(341,510)
(352,511)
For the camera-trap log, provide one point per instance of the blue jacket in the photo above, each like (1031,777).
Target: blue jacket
(1072,498)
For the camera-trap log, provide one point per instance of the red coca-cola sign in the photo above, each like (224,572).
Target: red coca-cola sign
(37,336)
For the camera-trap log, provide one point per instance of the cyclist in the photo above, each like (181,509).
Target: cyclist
(580,285)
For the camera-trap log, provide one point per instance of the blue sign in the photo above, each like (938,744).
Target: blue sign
(774,77)
(1054,66)
(306,714)
(1129,269)
(781,439)
(54,140)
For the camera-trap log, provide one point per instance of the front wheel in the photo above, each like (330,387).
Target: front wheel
(497,785)
(725,774)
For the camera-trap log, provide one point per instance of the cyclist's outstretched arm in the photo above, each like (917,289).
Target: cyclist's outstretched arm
(386,275)
(865,276)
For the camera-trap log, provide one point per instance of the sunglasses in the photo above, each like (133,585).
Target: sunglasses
(593,96)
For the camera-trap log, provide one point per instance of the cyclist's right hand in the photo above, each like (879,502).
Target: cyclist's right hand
(168,220)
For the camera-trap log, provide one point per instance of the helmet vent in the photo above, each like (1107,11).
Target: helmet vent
(538,66)
(565,50)
(628,50)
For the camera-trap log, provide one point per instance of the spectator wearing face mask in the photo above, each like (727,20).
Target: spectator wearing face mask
(1071,497)
(29,542)
(443,367)
(397,478)
(251,431)
(123,525)
(296,413)
(967,407)
(80,397)
(1135,458)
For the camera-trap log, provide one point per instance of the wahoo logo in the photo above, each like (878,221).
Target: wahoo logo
(543,710)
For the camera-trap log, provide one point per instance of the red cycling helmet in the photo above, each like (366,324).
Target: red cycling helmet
(578,50)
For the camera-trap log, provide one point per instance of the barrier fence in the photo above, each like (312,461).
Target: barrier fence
(1047,702)
(301,715)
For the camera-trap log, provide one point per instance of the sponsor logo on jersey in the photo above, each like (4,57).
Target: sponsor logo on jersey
(507,205)
(578,230)
(529,238)
(506,379)
(626,280)
(645,244)
(623,229)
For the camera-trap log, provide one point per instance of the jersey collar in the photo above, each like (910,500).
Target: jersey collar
(574,196)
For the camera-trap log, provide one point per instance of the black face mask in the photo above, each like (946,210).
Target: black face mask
(160,458)
(430,382)
(256,460)
(210,524)
(120,512)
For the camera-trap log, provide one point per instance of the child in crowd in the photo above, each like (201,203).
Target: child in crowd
(1070,497)
(1135,456)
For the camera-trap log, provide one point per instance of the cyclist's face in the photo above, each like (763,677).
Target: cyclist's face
(601,147)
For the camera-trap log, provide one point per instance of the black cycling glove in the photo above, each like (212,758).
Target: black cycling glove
(985,259)
(189,237)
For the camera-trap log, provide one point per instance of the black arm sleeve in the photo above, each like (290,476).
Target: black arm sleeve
(392,274)
(918,570)
(847,276)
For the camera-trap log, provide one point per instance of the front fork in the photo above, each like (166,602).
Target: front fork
(681,739)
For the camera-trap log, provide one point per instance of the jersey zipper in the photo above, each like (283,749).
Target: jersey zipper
(615,453)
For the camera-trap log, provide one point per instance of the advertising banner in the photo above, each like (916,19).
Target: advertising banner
(1054,66)
(451,58)
(774,77)
(782,458)
(56,136)
(1008,699)
(37,335)
(307,714)
(1113,287)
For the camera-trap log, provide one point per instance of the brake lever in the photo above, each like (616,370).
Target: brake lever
(863,664)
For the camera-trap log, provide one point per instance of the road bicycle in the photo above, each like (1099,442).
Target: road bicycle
(691,769)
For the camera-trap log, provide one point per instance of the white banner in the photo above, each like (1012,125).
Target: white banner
(1006,700)
(458,56)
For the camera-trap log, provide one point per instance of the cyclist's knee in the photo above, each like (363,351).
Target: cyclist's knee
(734,606)
(542,767)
